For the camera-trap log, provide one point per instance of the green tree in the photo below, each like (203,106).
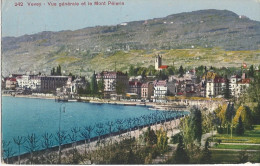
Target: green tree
(181,71)
(195,123)
(162,140)
(131,70)
(53,71)
(150,137)
(181,156)
(120,87)
(240,127)
(251,71)
(206,154)
(93,85)
(101,85)
(227,90)
(246,115)
(254,88)
(256,114)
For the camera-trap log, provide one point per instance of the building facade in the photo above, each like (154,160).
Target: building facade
(10,83)
(51,83)
(135,87)
(112,80)
(147,90)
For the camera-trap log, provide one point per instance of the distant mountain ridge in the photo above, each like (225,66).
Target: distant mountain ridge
(199,29)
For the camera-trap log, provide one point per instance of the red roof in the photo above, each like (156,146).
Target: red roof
(245,81)
(11,79)
(163,67)
(179,93)
(136,83)
(219,80)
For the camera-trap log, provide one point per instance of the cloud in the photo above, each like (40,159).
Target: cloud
(258,1)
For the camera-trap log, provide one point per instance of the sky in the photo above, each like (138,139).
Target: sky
(21,20)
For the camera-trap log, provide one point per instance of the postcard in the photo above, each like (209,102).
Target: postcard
(130,81)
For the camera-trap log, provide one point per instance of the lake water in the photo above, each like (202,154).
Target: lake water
(23,116)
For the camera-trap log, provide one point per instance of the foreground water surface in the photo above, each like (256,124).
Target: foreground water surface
(24,116)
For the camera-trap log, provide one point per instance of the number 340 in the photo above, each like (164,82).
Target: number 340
(18,4)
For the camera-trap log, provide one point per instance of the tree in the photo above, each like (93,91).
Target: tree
(99,130)
(8,150)
(47,141)
(93,85)
(101,85)
(53,71)
(240,127)
(89,129)
(206,154)
(129,124)
(32,144)
(61,137)
(227,90)
(150,137)
(19,141)
(181,156)
(181,71)
(162,140)
(120,87)
(74,136)
(131,70)
(254,88)
(246,116)
(256,114)
(120,125)
(230,113)
(195,123)
(84,134)
(251,71)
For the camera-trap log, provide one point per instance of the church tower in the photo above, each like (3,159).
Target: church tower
(158,62)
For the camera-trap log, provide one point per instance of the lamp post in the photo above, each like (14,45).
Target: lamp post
(59,135)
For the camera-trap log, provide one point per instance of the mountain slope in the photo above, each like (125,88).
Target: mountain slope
(198,29)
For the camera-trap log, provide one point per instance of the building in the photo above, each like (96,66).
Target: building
(29,82)
(215,87)
(158,63)
(51,83)
(233,84)
(162,88)
(10,83)
(242,87)
(135,87)
(75,85)
(147,90)
(112,80)
(238,86)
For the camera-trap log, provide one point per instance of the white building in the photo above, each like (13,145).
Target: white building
(233,84)
(162,88)
(215,87)
(242,87)
(238,86)
(32,82)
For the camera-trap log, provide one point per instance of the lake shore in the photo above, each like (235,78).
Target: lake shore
(153,105)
